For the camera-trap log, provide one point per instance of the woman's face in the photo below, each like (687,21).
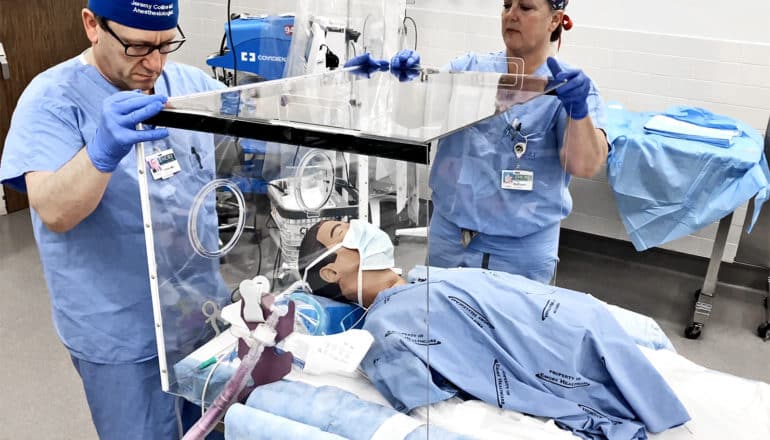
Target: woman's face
(527,26)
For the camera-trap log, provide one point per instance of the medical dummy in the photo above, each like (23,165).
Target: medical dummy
(493,336)
(70,146)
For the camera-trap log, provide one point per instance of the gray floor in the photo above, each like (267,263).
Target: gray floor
(42,396)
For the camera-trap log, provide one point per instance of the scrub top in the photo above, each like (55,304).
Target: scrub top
(520,345)
(468,176)
(97,272)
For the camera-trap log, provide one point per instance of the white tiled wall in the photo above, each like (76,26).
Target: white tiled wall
(646,55)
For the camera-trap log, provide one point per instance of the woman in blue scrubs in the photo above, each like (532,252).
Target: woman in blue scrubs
(499,188)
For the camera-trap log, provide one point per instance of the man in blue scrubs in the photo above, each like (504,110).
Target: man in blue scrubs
(493,336)
(480,219)
(70,147)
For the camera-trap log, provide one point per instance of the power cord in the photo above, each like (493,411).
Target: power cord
(332,60)
(206,384)
(414,23)
(353,46)
(232,45)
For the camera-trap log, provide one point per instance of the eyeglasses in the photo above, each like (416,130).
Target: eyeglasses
(142,50)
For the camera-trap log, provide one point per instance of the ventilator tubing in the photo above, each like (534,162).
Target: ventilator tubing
(238,381)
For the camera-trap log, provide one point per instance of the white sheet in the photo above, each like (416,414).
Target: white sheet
(722,406)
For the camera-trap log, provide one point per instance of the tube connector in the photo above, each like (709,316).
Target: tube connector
(265,335)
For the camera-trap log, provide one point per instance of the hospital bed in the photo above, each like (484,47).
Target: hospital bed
(721,405)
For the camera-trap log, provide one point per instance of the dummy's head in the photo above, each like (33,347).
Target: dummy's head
(528,26)
(332,252)
(311,249)
(130,41)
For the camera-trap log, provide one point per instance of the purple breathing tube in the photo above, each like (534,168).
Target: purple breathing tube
(270,367)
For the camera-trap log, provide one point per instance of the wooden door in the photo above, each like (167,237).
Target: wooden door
(36,34)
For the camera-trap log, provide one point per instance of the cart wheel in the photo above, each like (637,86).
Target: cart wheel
(697,294)
(763,331)
(396,240)
(693,331)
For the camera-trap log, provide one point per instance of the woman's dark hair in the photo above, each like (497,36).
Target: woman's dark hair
(309,250)
(556,34)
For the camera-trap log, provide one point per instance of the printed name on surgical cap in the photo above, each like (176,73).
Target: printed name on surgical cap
(151,15)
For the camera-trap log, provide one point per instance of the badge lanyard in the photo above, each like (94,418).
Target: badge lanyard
(520,148)
(517,179)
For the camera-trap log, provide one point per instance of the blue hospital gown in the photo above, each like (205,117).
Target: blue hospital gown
(520,345)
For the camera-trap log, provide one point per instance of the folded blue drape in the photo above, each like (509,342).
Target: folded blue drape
(667,188)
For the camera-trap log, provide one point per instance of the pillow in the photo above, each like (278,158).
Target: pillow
(317,315)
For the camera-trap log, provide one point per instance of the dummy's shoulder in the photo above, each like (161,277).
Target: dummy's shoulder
(192,78)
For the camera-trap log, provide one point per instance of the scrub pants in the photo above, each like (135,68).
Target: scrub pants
(534,256)
(126,402)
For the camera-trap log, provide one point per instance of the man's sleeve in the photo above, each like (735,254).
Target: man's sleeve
(43,137)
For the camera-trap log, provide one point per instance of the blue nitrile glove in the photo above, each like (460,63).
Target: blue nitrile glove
(117,132)
(574,94)
(405,59)
(366,64)
(405,75)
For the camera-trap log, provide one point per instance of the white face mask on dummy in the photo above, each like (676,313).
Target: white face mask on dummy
(374,248)
(372,243)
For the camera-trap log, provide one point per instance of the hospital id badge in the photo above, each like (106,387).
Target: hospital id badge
(518,180)
(163,164)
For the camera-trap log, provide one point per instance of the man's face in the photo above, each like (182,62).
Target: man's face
(123,71)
